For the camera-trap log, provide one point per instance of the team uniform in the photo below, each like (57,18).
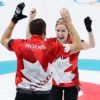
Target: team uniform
(69,80)
(35,58)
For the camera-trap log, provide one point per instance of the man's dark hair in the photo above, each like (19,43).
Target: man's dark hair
(37,26)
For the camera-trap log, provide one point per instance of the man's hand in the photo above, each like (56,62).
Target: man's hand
(32,14)
(18,13)
(88,23)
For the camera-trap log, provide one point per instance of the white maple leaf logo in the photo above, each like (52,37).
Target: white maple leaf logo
(58,69)
(37,77)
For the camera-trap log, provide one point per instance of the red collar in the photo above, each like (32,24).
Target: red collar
(36,36)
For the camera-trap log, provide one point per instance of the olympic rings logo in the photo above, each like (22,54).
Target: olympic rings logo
(87,1)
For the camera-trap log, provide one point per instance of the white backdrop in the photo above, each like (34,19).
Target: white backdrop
(50,11)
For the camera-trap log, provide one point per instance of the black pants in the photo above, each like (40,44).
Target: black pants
(25,96)
(70,93)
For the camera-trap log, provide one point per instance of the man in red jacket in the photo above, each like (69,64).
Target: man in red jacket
(35,57)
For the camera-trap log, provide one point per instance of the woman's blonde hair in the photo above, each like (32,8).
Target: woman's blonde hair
(59,21)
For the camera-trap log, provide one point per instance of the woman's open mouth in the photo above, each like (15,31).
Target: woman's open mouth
(61,37)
